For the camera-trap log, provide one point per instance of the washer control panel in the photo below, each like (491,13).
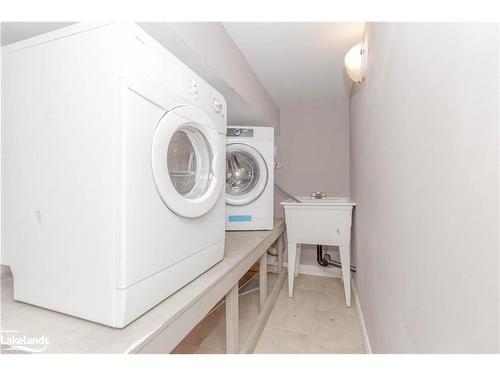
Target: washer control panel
(239,132)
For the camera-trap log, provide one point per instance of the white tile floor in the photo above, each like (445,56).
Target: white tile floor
(315,320)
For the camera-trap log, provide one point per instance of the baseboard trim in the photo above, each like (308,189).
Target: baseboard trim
(313,270)
(361,319)
(317,270)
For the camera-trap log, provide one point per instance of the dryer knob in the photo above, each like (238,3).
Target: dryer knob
(217,106)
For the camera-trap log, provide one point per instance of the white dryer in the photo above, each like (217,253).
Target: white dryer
(112,172)
(249,178)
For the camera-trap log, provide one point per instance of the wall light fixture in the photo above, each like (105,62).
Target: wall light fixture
(356,62)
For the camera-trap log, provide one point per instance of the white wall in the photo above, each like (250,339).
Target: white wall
(313,148)
(424,172)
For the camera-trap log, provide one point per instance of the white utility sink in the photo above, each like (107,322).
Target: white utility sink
(306,201)
(324,221)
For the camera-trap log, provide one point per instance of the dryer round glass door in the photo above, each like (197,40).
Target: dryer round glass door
(246,174)
(186,161)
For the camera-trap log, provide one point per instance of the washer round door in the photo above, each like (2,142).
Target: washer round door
(246,174)
(186,161)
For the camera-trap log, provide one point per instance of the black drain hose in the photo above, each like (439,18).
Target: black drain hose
(326,260)
(319,256)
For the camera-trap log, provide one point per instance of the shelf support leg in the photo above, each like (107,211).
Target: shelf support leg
(292,254)
(232,326)
(281,244)
(263,280)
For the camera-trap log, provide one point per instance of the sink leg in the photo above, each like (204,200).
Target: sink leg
(297,260)
(345,260)
(292,254)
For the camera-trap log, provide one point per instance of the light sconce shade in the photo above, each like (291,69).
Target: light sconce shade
(355,62)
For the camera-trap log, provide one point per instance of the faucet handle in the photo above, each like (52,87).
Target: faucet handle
(318,195)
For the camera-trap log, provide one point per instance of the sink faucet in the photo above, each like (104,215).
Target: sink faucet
(318,195)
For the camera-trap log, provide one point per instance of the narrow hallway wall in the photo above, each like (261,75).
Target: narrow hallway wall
(425,174)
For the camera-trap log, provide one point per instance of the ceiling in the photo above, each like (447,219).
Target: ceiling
(12,32)
(299,63)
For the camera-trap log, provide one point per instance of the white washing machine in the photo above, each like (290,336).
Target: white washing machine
(249,178)
(112,172)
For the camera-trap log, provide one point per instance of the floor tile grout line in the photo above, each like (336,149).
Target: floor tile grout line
(338,340)
(336,312)
(309,344)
